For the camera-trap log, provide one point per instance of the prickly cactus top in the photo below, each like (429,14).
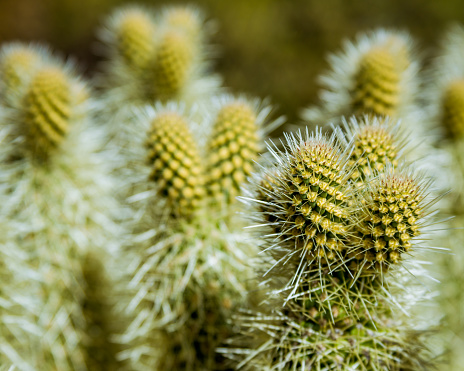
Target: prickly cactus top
(176,163)
(173,65)
(453,109)
(47,106)
(391,217)
(376,87)
(374,148)
(310,198)
(135,39)
(233,148)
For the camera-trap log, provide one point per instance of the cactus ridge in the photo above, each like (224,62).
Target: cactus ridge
(233,148)
(47,110)
(176,163)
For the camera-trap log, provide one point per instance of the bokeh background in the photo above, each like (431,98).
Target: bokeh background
(269,48)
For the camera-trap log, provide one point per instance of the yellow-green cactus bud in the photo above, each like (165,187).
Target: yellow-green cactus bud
(310,198)
(391,217)
(47,106)
(377,81)
(172,66)
(135,39)
(453,109)
(15,64)
(176,163)
(233,148)
(375,146)
(185,19)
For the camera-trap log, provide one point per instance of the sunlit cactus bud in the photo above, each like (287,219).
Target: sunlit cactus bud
(453,109)
(310,205)
(376,74)
(393,214)
(172,66)
(233,148)
(176,163)
(135,38)
(48,109)
(376,143)
(17,64)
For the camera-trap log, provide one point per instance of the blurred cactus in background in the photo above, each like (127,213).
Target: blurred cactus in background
(56,206)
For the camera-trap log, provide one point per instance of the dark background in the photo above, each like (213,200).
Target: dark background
(269,48)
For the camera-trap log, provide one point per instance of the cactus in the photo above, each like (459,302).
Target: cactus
(176,163)
(321,313)
(453,113)
(188,267)
(173,65)
(377,144)
(375,75)
(55,203)
(237,133)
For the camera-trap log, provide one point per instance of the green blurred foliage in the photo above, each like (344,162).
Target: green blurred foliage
(273,48)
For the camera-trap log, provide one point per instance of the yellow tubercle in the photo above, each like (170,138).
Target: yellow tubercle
(176,163)
(453,109)
(47,107)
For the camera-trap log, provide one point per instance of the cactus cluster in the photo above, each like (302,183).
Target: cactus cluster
(330,251)
(122,246)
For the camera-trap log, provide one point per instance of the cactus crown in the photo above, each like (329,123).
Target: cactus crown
(309,196)
(376,144)
(453,109)
(233,148)
(135,34)
(392,214)
(176,163)
(47,110)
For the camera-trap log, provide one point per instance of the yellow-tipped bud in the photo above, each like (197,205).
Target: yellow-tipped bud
(173,65)
(309,203)
(391,218)
(135,39)
(375,146)
(176,163)
(453,109)
(233,148)
(48,109)
(377,82)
